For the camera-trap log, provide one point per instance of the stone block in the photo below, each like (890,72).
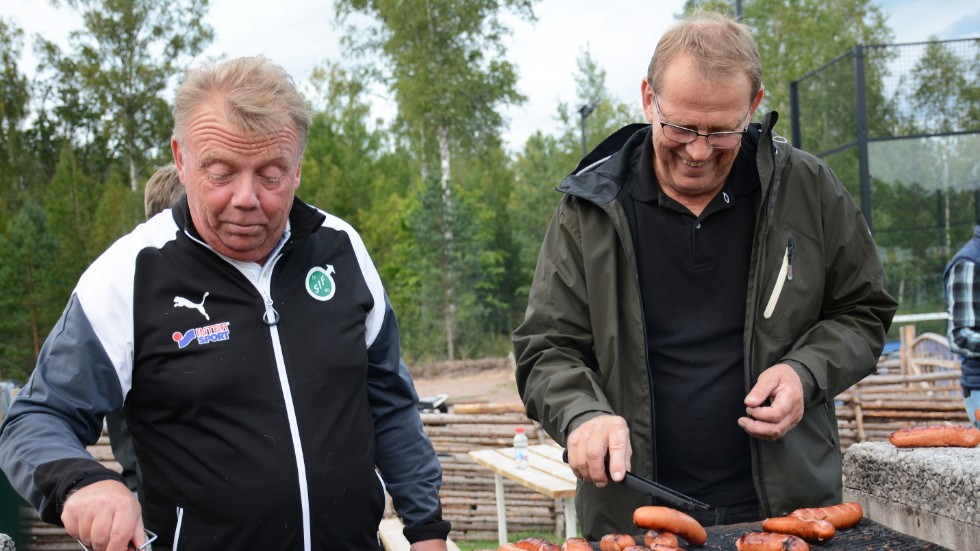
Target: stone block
(930,493)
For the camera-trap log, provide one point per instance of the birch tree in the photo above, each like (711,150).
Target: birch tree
(443,61)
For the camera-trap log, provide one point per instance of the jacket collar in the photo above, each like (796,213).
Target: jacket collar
(600,174)
(304,219)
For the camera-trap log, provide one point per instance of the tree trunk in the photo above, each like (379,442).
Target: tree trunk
(449,308)
(132,174)
(31,305)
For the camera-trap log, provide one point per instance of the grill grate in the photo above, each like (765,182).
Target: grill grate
(866,536)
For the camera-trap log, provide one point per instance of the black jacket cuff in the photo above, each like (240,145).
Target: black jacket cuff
(58,479)
(432,528)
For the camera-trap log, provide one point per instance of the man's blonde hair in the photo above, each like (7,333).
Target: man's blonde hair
(719,44)
(259,96)
(162,190)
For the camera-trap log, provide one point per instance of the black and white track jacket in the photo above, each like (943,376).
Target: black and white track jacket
(261,398)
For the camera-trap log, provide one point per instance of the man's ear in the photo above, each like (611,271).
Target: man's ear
(178,159)
(646,92)
(757,101)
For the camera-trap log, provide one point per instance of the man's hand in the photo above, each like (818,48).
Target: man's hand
(429,545)
(781,386)
(104,516)
(589,444)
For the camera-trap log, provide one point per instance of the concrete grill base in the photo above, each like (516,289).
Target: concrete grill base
(929,493)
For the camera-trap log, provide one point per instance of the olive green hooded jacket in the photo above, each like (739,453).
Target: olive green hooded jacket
(581,350)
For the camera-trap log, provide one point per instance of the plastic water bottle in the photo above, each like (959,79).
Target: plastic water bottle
(520,449)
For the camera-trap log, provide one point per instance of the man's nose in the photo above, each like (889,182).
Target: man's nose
(246,191)
(699,149)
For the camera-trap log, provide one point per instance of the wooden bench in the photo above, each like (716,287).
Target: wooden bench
(394,540)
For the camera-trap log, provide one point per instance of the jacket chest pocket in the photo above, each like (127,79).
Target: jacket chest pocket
(793,285)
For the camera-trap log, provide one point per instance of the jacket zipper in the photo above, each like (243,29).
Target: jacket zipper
(770,207)
(271,318)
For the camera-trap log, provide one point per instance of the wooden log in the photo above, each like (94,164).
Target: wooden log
(916,414)
(472,419)
(902,405)
(489,407)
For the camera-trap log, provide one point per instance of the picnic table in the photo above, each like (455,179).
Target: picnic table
(546,474)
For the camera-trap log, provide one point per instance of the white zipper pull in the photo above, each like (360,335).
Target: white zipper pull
(271,316)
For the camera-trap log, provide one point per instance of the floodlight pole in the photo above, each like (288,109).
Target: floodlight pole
(861,116)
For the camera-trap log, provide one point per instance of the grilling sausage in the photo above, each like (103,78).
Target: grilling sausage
(812,530)
(767,541)
(843,515)
(656,547)
(576,544)
(935,436)
(670,520)
(536,544)
(616,542)
(653,537)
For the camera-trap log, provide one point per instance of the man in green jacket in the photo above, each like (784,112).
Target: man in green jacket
(702,294)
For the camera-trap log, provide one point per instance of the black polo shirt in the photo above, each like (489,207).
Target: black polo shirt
(693,273)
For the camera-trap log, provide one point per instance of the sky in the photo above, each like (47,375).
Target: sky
(301,34)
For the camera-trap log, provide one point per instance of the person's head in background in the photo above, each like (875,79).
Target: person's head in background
(163,189)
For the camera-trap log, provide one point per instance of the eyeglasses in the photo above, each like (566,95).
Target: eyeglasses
(684,135)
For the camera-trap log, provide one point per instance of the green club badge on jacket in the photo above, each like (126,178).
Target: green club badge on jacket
(320,284)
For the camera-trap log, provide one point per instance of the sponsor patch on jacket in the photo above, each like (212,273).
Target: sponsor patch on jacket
(203,335)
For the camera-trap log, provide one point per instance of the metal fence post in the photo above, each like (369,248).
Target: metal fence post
(976,202)
(861,114)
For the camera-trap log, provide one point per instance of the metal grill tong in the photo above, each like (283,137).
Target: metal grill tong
(654,489)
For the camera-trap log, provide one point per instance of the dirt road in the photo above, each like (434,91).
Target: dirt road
(494,383)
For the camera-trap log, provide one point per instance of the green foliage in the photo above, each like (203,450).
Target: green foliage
(14,99)
(111,85)
(539,169)
(443,60)
(608,113)
(341,168)
(69,204)
(445,66)
(546,160)
(30,296)
(455,232)
(942,89)
(118,211)
(798,36)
